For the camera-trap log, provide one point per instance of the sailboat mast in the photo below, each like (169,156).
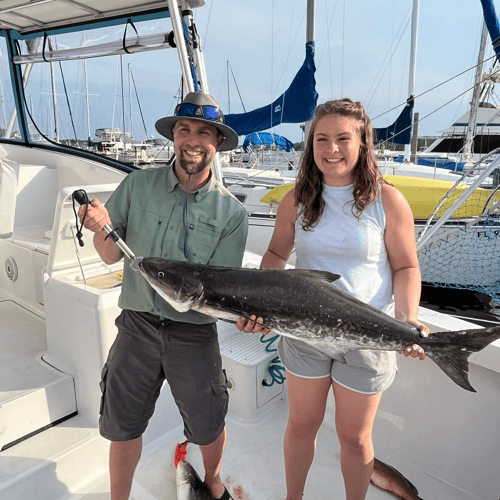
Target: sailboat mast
(130,103)
(413,60)
(468,149)
(310,25)
(114,97)
(310,36)
(123,99)
(228,96)
(54,100)
(87,98)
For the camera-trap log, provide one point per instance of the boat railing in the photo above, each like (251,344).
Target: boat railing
(428,231)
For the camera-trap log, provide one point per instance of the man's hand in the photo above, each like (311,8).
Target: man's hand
(97,216)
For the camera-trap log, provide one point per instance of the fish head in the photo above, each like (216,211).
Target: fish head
(189,484)
(173,280)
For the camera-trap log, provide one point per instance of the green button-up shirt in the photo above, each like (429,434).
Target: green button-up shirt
(157,218)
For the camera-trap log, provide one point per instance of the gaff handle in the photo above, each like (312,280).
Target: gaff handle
(80,195)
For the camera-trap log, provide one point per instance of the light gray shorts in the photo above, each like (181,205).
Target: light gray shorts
(365,371)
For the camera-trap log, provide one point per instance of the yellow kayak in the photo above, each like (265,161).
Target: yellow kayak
(422,194)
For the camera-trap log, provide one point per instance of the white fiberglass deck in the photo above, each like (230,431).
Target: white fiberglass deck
(253,467)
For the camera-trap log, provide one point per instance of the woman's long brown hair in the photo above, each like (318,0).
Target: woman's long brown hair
(367,178)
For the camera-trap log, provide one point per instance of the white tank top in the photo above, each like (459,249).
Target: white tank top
(354,249)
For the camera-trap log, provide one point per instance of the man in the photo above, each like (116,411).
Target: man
(180,212)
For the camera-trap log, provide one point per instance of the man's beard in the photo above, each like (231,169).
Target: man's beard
(193,166)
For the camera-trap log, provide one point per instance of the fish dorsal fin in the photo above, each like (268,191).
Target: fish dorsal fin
(314,274)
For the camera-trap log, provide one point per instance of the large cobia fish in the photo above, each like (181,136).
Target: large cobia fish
(304,305)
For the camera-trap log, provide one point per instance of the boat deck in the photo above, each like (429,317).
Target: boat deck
(252,468)
(70,459)
(33,395)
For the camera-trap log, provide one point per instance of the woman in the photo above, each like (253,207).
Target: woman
(344,218)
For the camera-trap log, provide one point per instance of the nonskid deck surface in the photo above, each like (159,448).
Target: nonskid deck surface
(253,467)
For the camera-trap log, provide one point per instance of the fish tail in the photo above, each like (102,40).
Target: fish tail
(452,356)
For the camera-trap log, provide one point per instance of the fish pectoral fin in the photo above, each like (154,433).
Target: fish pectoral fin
(337,353)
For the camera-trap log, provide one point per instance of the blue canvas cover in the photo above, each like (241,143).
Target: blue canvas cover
(267,139)
(400,131)
(295,105)
(491,20)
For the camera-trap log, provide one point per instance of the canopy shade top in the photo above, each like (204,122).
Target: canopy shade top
(38,16)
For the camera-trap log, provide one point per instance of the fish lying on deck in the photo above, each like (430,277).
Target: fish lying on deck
(304,305)
(189,484)
(389,479)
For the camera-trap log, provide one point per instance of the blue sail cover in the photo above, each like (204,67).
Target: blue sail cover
(267,139)
(491,21)
(295,105)
(400,131)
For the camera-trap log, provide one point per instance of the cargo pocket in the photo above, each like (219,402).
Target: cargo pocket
(102,385)
(220,401)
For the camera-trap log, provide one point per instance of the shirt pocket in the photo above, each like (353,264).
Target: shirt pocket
(145,231)
(201,239)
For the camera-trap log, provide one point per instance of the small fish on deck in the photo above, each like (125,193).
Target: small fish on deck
(389,479)
(304,305)
(189,484)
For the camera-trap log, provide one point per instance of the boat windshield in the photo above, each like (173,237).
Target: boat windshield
(9,127)
(83,90)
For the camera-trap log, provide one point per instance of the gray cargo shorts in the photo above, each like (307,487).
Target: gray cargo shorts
(149,350)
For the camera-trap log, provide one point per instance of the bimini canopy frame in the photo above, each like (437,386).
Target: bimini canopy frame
(29,19)
(33,18)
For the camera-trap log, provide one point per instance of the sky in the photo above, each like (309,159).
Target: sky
(362,52)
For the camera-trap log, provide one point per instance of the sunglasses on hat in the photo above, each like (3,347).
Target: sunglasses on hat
(208,112)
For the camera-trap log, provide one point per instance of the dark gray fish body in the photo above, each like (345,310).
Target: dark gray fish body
(389,479)
(189,484)
(304,305)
